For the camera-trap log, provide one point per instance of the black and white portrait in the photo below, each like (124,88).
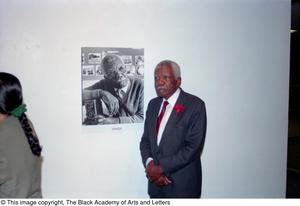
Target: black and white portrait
(112,85)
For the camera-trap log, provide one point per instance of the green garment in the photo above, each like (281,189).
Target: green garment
(20,170)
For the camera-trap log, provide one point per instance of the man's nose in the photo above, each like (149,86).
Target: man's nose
(159,81)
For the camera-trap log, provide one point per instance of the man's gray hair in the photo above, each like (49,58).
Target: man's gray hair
(174,65)
(111,62)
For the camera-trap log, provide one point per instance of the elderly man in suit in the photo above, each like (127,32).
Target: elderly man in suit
(173,137)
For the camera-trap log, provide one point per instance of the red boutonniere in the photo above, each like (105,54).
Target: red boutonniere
(179,108)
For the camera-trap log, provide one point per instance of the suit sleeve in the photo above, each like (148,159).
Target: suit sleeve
(145,142)
(192,144)
(139,115)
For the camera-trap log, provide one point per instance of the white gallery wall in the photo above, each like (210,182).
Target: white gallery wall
(234,54)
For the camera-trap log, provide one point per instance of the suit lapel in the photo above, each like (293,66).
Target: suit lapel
(153,119)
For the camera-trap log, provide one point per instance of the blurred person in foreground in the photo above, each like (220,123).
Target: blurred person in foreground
(121,96)
(20,151)
(173,137)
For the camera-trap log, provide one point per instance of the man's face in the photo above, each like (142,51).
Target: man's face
(117,76)
(165,82)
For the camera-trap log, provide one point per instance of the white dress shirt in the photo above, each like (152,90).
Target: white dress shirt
(172,101)
(121,92)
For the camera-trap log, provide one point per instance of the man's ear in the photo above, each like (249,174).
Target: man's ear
(178,81)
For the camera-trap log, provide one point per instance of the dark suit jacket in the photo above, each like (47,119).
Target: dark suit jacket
(180,148)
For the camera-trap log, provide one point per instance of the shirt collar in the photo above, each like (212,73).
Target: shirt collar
(172,99)
(124,89)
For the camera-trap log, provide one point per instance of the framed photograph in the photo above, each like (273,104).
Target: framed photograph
(82,59)
(139,60)
(139,65)
(88,70)
(127,59)
(123,86)
(94,58)
(98,70)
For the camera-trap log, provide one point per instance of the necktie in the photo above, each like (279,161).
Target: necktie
(161,115)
